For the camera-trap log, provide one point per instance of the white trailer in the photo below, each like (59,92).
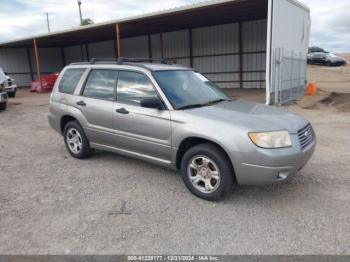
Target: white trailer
(287,46)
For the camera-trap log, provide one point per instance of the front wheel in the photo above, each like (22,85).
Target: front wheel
(207,172)
(76,141)
(12,94)
(3,106)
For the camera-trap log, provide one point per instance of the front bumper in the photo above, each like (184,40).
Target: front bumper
(274,166)
(11,89)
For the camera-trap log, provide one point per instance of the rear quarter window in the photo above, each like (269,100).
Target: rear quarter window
(70,80)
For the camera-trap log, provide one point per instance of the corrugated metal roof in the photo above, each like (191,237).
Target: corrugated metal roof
(123,20)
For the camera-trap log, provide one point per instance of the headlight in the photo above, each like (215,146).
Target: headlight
(276,139)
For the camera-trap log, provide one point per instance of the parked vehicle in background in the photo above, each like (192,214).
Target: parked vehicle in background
(47,83)
(3,94)
(174,116)
(328,59)
(316,49)
(8,84)
(3,99)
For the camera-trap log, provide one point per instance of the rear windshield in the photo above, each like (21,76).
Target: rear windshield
(70,79)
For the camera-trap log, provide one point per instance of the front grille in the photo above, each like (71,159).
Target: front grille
(306,135)
(9,82)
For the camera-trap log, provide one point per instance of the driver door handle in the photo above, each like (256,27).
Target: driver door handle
(122,111)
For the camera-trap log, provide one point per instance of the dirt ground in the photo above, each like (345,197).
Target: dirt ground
(51,203)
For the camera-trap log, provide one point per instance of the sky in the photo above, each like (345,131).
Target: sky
(23,18)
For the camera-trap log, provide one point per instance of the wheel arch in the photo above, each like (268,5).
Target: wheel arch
(192,141)
(65,120)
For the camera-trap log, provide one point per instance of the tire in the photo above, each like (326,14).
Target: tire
(12,94)
(3,106)
(79,146)
(208,160)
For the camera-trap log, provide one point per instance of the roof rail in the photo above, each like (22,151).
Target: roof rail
(122,60)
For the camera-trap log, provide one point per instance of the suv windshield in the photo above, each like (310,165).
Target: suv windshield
(188,89)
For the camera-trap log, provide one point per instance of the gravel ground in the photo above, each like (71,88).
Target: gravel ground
(51,203)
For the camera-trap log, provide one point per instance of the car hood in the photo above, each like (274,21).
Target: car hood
(249,115)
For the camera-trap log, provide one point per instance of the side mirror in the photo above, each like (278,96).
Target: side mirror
(153,102)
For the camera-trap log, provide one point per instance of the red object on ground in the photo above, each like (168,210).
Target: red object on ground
(47,83)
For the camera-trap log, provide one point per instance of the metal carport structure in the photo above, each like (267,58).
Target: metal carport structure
(229,41)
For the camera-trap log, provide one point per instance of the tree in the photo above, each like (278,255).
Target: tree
(87,21)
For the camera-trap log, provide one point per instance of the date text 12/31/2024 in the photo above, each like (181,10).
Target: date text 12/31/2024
(173,258)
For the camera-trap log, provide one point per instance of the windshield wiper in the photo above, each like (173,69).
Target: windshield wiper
(202,105)
(218,101)
(191,106)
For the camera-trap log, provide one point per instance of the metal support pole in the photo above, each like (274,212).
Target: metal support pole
(190,39)
(30,64)
(82,53)
(48,22)
(161,46)
(150,46)
(117,42)
(37,62)
(240,40)
(63,56)
(80,15)
(87,52)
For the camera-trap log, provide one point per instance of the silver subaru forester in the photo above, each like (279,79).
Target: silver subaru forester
(174,116)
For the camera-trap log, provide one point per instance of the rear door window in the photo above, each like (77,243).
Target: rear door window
(70,80)
(101,84)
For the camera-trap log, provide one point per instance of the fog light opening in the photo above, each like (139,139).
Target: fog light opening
(282,175)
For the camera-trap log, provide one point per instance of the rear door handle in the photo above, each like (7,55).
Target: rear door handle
(122,111)
(81,103)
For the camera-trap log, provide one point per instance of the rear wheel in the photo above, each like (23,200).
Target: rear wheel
(76,141)
(207,172)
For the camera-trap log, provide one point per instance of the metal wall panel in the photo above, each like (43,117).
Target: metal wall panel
(176,44)
(254,40)
(212,64)
(156,46)
(74,54)
(50,60)
(181,61)
(102,50)
(254,35)
(212,50)
(228,85)
(221,39)
(14,61)
(136,47)
(22,79)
